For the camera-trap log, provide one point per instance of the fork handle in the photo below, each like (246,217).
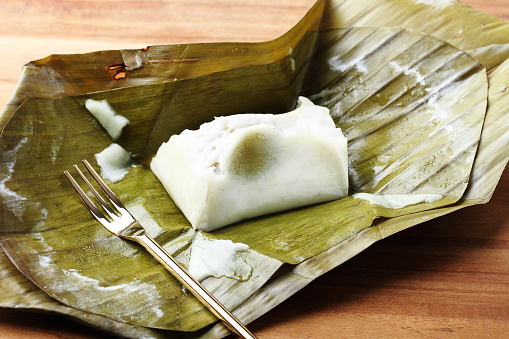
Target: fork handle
(204,296)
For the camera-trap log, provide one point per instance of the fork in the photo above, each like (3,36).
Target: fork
(123,224)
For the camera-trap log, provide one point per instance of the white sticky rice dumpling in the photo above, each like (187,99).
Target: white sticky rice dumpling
(246,165)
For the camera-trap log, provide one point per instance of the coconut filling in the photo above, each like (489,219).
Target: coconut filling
(247,165)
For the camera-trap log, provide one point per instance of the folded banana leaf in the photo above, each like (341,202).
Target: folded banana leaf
(412,101)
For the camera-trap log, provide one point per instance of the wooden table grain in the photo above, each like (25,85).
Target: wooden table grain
(447,278)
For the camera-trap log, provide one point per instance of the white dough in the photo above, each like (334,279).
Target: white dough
(112,122)
(114,162)
(246,165)
(396,201)
(218,258)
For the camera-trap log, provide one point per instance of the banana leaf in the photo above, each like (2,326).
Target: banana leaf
(411,101)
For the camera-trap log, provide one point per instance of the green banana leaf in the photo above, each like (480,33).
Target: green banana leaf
(412,105)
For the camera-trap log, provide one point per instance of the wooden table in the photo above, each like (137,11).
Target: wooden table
(447,278)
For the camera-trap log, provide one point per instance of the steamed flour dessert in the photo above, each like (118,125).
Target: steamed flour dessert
(246,165)
(218,258)
(114,162)
(112,122)
(396,201)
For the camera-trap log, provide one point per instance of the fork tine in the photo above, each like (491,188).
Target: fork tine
(103,203)
(86,200)
(113,198)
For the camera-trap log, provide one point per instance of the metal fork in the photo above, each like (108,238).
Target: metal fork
(123,224)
